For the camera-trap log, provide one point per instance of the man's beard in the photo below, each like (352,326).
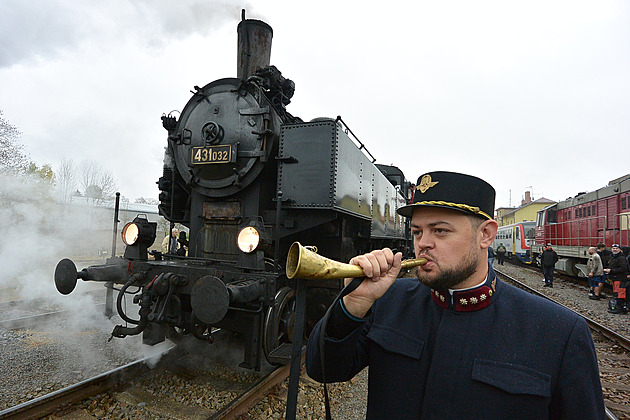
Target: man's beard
(449,278)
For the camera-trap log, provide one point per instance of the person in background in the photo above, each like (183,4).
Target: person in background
(491,255)
(548,260)
(604,254)
(169,244)
(595,270)
(183,244)
(501,254)
(456,342)
(617,273)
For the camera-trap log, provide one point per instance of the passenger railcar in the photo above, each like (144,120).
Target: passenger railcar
(517,239)
(573,225)
(248,179)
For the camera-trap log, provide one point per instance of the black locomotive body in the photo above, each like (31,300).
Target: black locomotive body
(248,179)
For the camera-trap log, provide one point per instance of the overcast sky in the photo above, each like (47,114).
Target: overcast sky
(529,95)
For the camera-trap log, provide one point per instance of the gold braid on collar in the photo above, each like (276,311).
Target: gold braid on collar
(466,207)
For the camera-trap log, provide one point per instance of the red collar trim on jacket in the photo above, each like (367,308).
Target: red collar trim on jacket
(466,300)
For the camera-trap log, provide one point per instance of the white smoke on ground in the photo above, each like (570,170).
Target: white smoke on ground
(38,233)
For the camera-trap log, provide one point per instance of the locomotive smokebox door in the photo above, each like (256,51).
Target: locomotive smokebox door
(209,299)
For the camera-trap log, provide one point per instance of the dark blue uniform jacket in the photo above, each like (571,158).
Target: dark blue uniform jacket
(519,357)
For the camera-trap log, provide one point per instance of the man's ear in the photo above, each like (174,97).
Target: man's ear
(487,232)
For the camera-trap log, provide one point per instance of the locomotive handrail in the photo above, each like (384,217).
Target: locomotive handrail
(558,230)
(348,131)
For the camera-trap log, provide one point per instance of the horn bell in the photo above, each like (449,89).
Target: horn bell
(305,264)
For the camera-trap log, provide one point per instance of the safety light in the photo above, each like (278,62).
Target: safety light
(248,239)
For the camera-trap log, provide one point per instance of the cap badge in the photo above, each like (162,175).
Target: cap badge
(426,183)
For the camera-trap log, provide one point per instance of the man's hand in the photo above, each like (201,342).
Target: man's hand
(381,268)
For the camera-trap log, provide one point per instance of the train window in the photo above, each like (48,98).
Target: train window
(594,208)
(517,232)
(623,203)
(589,211)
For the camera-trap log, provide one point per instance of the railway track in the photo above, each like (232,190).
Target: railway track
(134,387)
(613,350)
(66,403)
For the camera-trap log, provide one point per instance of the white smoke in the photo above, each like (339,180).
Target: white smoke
(38,232)
(47,28)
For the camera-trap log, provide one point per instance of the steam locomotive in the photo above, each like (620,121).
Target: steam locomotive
(248,179)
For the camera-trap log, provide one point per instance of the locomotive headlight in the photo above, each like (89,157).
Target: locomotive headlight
(130,233)
(248,239)
(140,231)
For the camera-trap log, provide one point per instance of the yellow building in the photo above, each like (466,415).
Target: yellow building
(526,212)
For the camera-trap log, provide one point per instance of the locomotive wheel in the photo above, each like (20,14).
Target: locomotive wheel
(279,322)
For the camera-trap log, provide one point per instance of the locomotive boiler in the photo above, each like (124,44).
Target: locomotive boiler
(248,179)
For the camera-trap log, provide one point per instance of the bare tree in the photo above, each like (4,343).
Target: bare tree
(12,156)
(97,184)
(65,179)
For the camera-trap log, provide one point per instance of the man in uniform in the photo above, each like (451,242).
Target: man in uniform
(456,343)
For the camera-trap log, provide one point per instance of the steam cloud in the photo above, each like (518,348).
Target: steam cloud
(43,29)
(38,232)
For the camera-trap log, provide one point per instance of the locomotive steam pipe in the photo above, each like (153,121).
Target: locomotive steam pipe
(145,310)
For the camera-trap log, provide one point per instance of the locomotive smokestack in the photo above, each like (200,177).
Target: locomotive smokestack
(254,46)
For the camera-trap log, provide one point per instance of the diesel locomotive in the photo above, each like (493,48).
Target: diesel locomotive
(248,179)
(577,223)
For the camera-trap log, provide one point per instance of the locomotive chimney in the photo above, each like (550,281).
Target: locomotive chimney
(254,46)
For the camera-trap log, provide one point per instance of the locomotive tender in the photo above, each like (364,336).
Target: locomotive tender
(248,179)
(573,225)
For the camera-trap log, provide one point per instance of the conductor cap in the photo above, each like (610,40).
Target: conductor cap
(452,190)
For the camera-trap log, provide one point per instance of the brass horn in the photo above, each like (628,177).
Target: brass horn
(304,263)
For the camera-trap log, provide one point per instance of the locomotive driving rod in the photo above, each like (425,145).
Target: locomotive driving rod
(304,263)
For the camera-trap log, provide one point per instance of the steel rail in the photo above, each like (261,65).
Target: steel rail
(49,403)
(241,405)
(37,319)
(605,331)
